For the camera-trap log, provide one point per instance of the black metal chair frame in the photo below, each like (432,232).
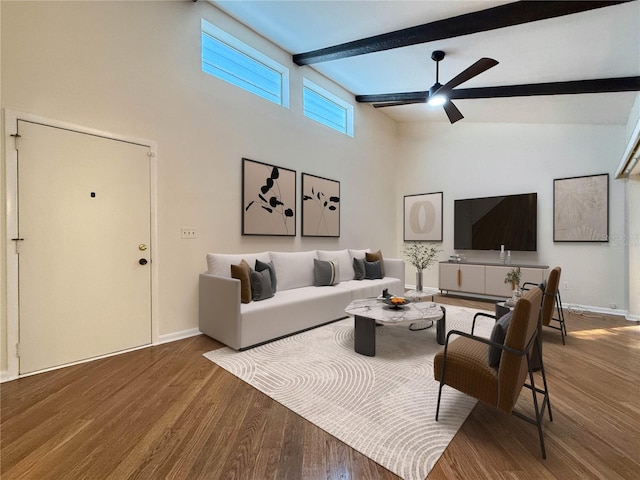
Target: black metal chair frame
(531,386)
(562,327)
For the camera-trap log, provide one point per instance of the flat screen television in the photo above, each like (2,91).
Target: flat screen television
(489,222)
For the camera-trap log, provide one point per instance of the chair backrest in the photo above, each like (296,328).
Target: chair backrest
(549,299)
(513,368)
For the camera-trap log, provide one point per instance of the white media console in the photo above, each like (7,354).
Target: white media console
(485,278)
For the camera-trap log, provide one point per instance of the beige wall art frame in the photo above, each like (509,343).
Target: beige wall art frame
(268,199)
(423,217)
(320,206)
(581,209)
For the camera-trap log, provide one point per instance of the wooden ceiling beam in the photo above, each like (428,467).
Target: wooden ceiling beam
(574,87)
(489,19)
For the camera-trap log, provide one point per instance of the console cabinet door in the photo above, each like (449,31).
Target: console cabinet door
(462,278)
(472,278)
(448,276)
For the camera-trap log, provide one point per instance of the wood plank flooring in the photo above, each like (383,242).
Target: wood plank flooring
(168,413)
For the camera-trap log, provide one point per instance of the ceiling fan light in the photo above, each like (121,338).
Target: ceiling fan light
(437,100)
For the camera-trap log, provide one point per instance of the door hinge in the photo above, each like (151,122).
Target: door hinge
(17,244)
(16,138)
(151,154)
(17,349)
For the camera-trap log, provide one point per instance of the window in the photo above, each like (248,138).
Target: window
(324,107)
(233,61)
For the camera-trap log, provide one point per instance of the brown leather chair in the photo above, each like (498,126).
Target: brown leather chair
(463,364)
(551,301)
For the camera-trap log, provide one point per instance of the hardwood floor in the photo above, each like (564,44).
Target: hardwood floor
(167,412)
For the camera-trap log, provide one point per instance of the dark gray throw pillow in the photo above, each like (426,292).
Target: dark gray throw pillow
(325,272)
(373,270)
(358,269)
(498,334)
(261,266)
(261,285)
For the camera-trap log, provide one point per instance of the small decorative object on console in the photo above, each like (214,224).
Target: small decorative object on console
(513,277)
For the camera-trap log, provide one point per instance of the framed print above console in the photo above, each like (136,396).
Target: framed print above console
(423,217)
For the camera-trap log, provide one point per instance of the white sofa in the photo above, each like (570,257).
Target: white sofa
(297,304)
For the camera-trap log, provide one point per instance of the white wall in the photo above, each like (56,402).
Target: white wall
(473,160)
(133,68)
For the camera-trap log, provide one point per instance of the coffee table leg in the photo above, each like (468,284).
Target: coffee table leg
(441,327)
(365,336)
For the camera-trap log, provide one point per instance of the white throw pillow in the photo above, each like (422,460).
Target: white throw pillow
(344,261)
(219,264)
(358,253)
(294,269)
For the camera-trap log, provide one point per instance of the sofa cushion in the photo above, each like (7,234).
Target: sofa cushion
(372,257)
(358,269)
(358,253)
(326,272)
(261,266)
(373,270)
(218,263)
(371,288)
(498,335)
(295,269)
(261,285)
(344,262)
(242,272)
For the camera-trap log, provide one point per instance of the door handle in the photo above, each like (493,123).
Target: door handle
(142,261)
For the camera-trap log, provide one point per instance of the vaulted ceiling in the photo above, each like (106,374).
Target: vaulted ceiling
(600,43)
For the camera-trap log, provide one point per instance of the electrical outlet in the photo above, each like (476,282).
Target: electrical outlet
(565,286)
(189,232)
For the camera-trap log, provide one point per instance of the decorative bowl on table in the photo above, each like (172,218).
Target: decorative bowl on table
(396,302)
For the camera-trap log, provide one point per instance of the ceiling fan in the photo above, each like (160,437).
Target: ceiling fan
(438,94)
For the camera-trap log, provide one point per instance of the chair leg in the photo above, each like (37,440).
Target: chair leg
(538,409)
(535,405)
(444,366)
(439,397)
(560,319)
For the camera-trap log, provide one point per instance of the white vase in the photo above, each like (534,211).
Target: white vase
(419,280)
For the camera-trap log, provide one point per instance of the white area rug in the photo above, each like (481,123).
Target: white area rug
(382,406)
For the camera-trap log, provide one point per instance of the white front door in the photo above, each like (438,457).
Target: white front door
(84,223)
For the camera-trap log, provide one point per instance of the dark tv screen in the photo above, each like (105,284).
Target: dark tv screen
(487,223)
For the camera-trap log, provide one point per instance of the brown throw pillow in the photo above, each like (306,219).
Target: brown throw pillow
(243,273)
(372,257)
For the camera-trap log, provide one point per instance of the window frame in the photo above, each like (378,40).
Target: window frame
(207,28)
(331,98)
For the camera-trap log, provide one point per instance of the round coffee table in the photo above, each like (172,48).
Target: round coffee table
(368,311)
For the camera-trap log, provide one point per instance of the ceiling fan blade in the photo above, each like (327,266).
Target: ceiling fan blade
(477,68)
(411,97)
(452,112)
(395,104)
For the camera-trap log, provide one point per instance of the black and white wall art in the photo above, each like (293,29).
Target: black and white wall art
(320,206)
(268,199)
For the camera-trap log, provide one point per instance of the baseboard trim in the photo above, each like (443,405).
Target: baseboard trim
(575,308)
(5,376)
(172,337)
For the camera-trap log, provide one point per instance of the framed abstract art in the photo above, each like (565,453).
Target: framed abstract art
(268,199)
(423,217)
(581,209)
(320,206)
